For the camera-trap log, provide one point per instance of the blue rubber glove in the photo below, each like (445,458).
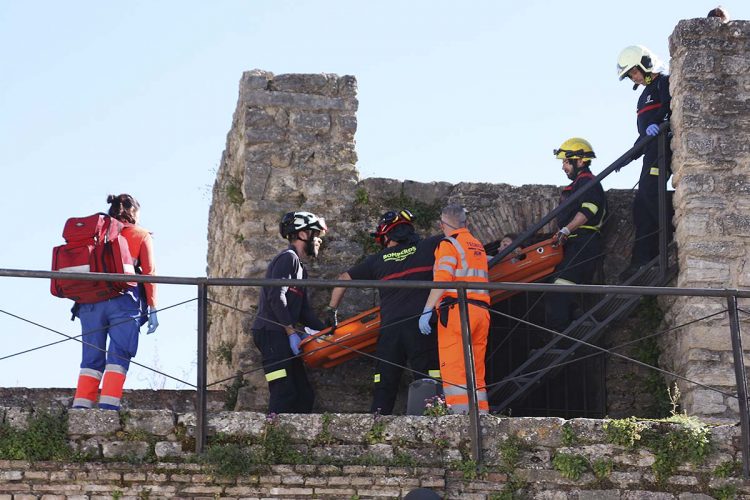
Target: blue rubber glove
(424,321)
(652,130)
(153,321)
(294,341)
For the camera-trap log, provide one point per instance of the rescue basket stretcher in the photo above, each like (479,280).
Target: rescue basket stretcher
(359,334)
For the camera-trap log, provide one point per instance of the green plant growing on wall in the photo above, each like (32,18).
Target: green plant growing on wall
(650,317)
(515,489)
(234,192)
(570,465)
(229,460)
(186,441)
(325,438)
(223,352)
(510,453)
(624,432)
(425,214)
(277,444)
(568,437)
(726,492)
(232,391)
(376,434)
(402,459)
(116,495)
(468,468)
(45,438)
(440,442)
(361,196)
(688,442)
(602,468)
(730,468)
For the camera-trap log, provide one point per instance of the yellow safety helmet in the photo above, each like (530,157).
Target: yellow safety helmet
(635,55)
(574,148)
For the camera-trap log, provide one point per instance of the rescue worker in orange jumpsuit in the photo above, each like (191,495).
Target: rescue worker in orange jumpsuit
(459,257)
(117,320)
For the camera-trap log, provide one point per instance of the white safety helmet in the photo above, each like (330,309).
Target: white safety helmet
(636,55)
(294,222)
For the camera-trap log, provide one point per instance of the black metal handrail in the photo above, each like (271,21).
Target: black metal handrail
(627,157)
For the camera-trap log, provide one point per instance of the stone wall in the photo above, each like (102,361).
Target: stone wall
(710,85)
(149,454)
(291,147)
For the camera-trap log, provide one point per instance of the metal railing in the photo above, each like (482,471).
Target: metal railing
(203,284)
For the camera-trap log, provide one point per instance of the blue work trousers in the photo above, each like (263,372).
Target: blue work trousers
(117,319)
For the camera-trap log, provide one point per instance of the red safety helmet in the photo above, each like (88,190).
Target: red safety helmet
(388,222)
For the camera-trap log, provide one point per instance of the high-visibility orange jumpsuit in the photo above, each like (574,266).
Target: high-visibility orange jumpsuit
(461,257)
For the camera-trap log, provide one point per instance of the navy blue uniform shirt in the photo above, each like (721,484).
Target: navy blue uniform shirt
(653,107)
(593,204)
(409,261)
(285,305)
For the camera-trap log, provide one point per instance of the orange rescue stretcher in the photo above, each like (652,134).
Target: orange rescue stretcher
(359,334)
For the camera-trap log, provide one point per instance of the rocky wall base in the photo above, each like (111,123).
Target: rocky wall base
(150,454)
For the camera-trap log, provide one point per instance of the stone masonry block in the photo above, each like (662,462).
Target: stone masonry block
(723,250)
(168,449)
(347,86)
(706,337)
(92,422)
(736,224)
(706,271)
(256,117)
(699,63)
(158,422)
(296,101)
(699,144)
(710,374)
(125,449)
(734,64)
(319,84)
(704,402)
(315,123)
(256,79)
(697,183)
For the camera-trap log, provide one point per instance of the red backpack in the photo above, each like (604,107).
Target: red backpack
(93,244)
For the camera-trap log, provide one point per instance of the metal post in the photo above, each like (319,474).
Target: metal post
(200,404)
(739,373)
(471,380)
(663,221)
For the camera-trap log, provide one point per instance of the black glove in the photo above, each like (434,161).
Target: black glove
(332,318)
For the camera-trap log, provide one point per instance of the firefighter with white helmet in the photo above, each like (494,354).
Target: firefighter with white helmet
(643,68)
(578,229)
(281,309)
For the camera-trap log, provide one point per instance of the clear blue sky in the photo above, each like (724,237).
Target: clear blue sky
(109,97)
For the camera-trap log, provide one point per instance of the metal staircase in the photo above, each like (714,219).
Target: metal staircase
(545,361)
